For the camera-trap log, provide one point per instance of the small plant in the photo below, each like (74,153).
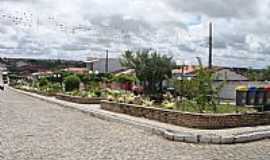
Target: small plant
(110,98)
(168,105)
(55,87)
(98,93)
(112,95)
(130,99)
(72,83)
(121,99)
(147,102)
(84,94)
(138,100)
(76,93)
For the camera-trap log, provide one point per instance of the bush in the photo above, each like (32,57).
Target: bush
(186,88)
(43,82)
(55,88)
(72,83)
(123,78)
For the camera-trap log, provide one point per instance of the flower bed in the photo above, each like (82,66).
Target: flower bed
(80,100)
(75,97)
(192,120)
(49,94)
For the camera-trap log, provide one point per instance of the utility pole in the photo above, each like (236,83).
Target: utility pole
(182,80)
(107,62)
(210,44)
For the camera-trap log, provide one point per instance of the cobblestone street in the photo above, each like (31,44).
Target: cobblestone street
(31,129)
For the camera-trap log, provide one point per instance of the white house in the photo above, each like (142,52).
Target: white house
(99,64)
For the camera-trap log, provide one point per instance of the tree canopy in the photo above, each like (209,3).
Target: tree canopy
(266,73)
(151,68)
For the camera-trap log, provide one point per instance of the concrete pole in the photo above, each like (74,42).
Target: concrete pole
(210,45)
(107,62)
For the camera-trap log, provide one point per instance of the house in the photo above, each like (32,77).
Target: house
(38,75)
(3,74)
(76,70)
(229,77)
(99,64)
(126,71)
(222,74)
(219,73)
(3,67)
(188,72)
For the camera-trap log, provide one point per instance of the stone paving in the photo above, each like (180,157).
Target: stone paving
(33,129)
(168,131)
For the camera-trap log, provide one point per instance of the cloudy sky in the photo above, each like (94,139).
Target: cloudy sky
(76,29)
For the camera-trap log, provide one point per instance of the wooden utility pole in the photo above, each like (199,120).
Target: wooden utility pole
(210,45)
(107,62)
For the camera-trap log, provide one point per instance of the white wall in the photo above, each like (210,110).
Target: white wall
(228,91)
(226,74)
(114,65)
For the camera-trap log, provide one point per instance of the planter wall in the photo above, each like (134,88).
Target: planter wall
(80,100)
(39,92)
(192,120)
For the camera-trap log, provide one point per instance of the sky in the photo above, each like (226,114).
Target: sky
(77,29)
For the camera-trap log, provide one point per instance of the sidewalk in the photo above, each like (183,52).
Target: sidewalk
(170,132)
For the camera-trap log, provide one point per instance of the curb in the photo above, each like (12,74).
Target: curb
(172,135)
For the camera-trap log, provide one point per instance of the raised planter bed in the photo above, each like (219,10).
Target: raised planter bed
(38,92)
(80,100)
(192,120)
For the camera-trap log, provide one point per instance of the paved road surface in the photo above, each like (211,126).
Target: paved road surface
(31,129)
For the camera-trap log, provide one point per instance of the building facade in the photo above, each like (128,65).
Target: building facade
(99,65)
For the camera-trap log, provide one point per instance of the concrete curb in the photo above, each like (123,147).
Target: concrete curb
(172,135)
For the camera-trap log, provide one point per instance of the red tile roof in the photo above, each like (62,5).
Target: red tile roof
(76,70)
(187,69)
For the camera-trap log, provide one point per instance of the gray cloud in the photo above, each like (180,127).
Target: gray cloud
(73,29)
(218,8)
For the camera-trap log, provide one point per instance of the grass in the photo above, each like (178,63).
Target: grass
(189,106)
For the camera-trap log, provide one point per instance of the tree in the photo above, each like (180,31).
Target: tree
(151,68)
(187,88)
(266,73)
(253,75)
(207,92)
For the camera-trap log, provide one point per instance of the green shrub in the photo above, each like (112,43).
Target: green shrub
(98,93)
(43,82)
(168,105)
(55,88)
(72,83)
(35,84)
(124,78)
